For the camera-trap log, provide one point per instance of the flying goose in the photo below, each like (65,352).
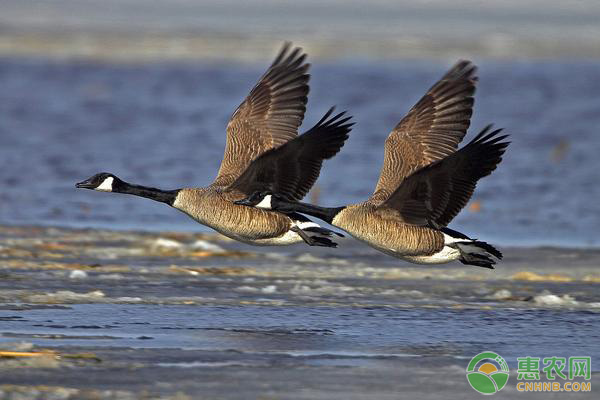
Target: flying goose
(263,152)
(424,181)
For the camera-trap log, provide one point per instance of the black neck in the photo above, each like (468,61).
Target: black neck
(327,214)
(164,196)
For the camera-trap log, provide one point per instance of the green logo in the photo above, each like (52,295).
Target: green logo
(487,373)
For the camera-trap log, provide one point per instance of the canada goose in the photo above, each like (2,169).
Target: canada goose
(263,152)
(423,184)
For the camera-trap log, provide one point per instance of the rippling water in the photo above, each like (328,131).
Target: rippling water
(192,313)
(163,124)
(349,334)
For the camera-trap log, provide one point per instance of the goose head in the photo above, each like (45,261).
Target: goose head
(103,182)
(265,200)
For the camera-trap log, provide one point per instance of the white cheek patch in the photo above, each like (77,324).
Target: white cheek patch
(106,185)
(265,203)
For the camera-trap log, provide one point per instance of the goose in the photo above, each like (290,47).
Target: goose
(263,151)
(424,182)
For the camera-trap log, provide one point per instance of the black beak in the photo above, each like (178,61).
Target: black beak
(244,202)
(85,185)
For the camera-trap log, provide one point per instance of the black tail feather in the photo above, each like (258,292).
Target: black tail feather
(322,231)
(489,248)
(454,234)
(478,260)
(316,229)
(467,257)
(322,241)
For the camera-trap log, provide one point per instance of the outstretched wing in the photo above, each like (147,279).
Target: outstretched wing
(269,116)
(291,169)
(430,131)
(434,194)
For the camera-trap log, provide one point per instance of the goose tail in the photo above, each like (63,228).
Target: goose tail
(473,251)
(320,235)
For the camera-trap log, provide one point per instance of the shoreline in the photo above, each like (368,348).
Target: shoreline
(334,29)
(209,234)
(220,48)
(67,249)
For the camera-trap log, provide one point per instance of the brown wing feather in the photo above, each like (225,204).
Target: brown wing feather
(292,169)
(434,194)
(269,116)
(430,131)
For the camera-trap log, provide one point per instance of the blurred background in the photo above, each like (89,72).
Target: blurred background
(144,89)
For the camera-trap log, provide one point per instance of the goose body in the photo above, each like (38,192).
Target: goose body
(216,208)
(416,244)
(424,182)
(263,152)
(386,233)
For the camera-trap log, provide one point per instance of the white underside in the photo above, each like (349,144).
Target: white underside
(290,237)
(443,256)
(446,254)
